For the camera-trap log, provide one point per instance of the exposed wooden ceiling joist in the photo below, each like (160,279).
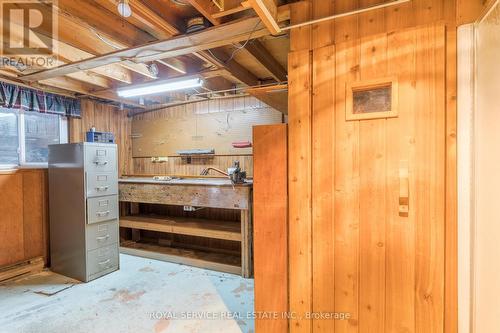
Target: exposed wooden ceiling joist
(99,18)
(16,37)
(68,53)
(266,59)
(232,69)
(244,5)
(217,83)
(225,34)
(274,96)
(268,12)
(150,18)
(206,8)
(145,17)
(89,18)
(256,49)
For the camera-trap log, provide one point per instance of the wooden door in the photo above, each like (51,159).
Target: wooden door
(270,227)
(355,253)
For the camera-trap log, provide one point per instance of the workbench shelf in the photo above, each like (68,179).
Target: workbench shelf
(188,226)
(216,235)
(227,230)
(197,258)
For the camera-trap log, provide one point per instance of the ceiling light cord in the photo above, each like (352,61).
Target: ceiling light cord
(238,48)
(241,47)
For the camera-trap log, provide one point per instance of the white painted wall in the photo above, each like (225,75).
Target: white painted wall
(487,176)
(465,127)
(479,174)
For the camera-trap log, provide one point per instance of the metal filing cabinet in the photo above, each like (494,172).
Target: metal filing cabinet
(83,196)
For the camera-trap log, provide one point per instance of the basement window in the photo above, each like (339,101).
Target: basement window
(372,99)
(25,137)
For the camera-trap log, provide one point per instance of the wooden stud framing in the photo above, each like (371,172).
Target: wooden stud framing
(268,13)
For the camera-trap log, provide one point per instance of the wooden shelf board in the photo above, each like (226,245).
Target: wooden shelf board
(213,261)
(226,230)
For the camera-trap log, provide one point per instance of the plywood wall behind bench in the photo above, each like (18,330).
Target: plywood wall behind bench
(209,124)
(204,125)
(176,166)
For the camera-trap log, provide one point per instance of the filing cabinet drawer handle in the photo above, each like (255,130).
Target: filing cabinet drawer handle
(105,262)
(101,163)
(103,238)
(102,188)
(101,214)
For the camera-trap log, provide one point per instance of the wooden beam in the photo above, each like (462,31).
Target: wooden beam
(150,18)
(82,24)
(283,13)
(82,88)
(258,51)
(206,8)
(242,7)
(207,39)
(16,36)
(145,18)
(266,59)
(232,69)
(67,53)
(109,23)
(268,13)
(274,96)
(218,84)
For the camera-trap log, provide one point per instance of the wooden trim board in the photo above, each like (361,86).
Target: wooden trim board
(34,265)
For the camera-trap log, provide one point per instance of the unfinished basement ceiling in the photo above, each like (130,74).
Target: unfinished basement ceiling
(91,28)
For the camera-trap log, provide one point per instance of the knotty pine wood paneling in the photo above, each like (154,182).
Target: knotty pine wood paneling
(23,215)
(361,43)
(468,11)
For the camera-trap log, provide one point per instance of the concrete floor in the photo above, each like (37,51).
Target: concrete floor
(143,296)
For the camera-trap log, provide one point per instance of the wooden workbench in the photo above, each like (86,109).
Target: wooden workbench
(195,192)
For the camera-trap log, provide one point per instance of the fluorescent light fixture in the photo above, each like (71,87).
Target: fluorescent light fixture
(159,87)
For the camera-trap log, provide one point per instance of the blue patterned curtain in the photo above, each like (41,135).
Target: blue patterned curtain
(16,97)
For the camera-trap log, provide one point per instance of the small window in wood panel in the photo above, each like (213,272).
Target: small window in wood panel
(372,99)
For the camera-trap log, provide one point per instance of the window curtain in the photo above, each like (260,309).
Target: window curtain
(17,97)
